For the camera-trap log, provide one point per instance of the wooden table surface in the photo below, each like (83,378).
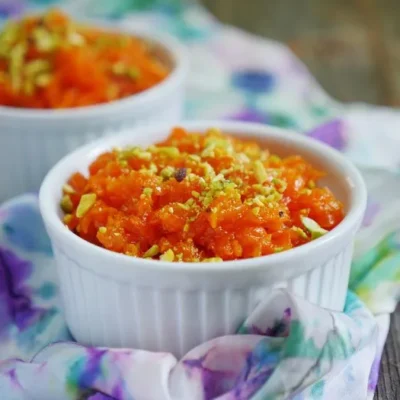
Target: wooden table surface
(352,47)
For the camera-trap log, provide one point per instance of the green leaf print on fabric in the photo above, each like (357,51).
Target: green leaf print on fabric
(375,277)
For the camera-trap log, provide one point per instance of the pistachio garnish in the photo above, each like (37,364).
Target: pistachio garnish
(85,204)
(313,227)
(66,204)
(168,151)
(43,80)
(168,256)
(68,189)
(260,172)
(152,251)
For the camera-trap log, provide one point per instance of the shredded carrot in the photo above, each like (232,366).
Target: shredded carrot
(198,197)
(50,61)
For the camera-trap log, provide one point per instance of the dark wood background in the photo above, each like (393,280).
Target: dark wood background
(352,47)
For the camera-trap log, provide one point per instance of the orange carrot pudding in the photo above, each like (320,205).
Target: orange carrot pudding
(52,62)
(199,197)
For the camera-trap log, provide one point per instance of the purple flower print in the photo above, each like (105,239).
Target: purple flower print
(330,133)
(215,382)
(15,296)
(11,8)
(280,328)
(374,374)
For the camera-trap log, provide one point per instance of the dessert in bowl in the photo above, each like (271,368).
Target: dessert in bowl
(163,242)
(64,83)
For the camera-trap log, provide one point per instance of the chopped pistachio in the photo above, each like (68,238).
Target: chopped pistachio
(103,229)
(273,196)
(43,80)
(17,55)
(299,231)
(313,227)
(167,172)
(28,88)
(168,151)
(37,66)
(213,220)
(136,152)
(44,40)
(75,39)
(112,92)
(259,200)
(183,206)
(274,158)
(256,210)
(243,158)
(85,204)
(213,259)
(208,170)
(67,218)
(195,194)
(66,204)
(153,168)
(280,183)
(311,184)
(186,227)
(133,73)
(260,172)
(212,143)
(208,151)
(171,210)
(119,68)
(306,191)
(278,249)
(147,191)
(194,157)
(219,177)
(168,256)
(152,251)
(10,32)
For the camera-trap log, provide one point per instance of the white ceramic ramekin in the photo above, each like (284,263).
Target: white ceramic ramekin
(32,141)
(115,300)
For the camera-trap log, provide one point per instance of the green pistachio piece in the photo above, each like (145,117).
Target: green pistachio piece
(43,80)
(152,251)
(85,204)
(313,227)
(168,256)
(66,204)
(260,172)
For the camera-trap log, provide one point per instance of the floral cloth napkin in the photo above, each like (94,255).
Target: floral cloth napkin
(287,348)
